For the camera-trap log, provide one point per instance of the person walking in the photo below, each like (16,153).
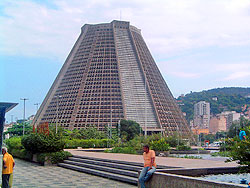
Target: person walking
(8,165)
(149,165)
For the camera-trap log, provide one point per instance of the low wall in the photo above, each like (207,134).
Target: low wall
(189,152)
(200,171)
(163,180)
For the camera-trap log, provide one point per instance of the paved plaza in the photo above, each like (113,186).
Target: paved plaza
(31,175)
(165,161)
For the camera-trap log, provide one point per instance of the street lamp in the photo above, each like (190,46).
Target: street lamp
(111,123)
(24,99)
(36,104)
(145,125)
(57,96)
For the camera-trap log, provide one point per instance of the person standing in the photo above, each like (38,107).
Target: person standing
(149,165)
(242,135)
(8,165)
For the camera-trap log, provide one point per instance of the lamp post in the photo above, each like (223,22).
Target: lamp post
(145,125)
(36,104)
(24,99)
(111,124)
(57,96)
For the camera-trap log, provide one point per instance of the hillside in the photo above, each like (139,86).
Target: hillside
(228,99)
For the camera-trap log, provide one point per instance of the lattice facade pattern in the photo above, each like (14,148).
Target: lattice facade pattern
(110,75)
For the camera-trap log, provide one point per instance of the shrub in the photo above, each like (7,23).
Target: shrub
(39,143)
(22,154)
(92,143)
(127,150)
(183,147)
(53,157)
(173,140)
(14,143)
(160,145)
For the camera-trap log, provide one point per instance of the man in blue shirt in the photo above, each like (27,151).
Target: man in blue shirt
(242,135)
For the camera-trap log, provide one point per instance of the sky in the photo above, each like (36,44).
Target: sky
(197,44)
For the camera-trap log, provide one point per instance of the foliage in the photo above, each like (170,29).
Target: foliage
(237,125)
(228,143)
(183,148)
(16,148)
(127,150)
(92,143)
(191,157)
(39,143)
(220,135)
(17,129)
(129,129)
(221,154)
(14,143)
(88,133)
(230,99)
(240,150)
(174,140)
(53,157)
(160,145)
(22,154)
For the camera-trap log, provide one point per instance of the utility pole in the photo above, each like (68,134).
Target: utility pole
(36,104)
(12,118)
(24,99)
(119,128)
(57,96)
(145,126)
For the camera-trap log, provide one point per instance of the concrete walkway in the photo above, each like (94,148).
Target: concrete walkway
(166,161)
(31,175)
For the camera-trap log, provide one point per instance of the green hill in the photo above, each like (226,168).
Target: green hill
(228,99)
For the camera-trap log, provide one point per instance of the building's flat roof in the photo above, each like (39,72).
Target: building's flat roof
(7,105)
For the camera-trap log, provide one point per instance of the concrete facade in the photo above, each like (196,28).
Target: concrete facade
(111,75)
(202,115)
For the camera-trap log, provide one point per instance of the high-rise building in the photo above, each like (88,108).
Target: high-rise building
(202,115)
(230,117)
(218,123)
(110,75)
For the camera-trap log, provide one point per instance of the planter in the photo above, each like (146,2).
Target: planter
(34,158)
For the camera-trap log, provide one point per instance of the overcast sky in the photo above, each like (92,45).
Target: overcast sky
(197,44)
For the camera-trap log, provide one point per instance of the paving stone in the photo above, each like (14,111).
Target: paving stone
(31,175)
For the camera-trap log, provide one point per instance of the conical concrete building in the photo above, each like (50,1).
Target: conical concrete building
(110,75)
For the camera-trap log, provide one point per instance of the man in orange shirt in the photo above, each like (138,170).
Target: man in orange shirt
(8,165)
(149,165)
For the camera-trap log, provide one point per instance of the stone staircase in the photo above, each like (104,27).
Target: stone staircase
(113,169)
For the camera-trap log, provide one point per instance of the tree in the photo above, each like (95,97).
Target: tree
(129,129)
(17,129)
(236,126)
(240,151)
(220,135)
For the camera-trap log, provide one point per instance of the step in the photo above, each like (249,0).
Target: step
(121,162)
(103,168)
(109,175)
(107,164)
(111,161)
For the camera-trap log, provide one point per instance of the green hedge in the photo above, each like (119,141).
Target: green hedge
(127,150)
(53,157)
(160,145)
(92,143)
(14,143)
(16,148)
(183,148)
(41,143)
